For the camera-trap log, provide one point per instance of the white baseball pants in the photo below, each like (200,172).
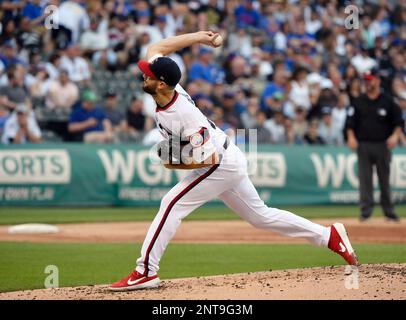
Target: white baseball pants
(228,181)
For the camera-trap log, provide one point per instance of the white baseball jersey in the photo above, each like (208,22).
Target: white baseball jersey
(228,181)
(181,118)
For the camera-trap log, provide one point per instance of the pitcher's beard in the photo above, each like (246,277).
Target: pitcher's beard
(149,90)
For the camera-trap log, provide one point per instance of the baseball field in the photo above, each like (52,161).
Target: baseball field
(214,255)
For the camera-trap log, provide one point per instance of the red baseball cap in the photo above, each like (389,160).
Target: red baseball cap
(371,74)
(144,67)
(162,68)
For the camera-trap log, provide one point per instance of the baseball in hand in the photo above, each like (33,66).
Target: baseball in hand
(217,40)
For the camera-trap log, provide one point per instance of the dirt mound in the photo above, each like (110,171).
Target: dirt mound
(379,281)
(236,231)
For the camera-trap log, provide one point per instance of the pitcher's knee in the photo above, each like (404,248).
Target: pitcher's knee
(262,216)
(257,220)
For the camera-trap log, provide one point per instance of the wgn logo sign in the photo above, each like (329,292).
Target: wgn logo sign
(334,170)
(122,167)
(34,166)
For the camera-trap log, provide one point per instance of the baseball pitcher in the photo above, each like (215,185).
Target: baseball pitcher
(218,169)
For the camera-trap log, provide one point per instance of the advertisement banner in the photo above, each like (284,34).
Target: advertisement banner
(124,175)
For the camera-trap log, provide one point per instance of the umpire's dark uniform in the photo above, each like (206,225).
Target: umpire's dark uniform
(373,121)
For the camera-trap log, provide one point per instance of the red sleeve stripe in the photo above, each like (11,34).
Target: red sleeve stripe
(206,136)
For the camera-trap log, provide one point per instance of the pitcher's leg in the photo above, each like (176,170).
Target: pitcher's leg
(182,199)
(245,201)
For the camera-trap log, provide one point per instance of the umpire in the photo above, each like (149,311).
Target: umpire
(374,125)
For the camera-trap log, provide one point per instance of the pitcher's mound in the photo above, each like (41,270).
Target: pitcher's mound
(374,281)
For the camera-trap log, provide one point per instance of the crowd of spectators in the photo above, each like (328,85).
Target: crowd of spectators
(288,68)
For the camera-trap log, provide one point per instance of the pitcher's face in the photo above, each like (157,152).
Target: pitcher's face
(150,85)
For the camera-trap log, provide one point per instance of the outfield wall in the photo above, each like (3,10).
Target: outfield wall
(125,175)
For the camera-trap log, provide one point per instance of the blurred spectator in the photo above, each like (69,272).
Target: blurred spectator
(14,92)
(263,134)
(299,125)
(21,127)
(246,16)
(11,9)
(299,36)
(161,23)
(73,19)
(399,88)
(312,22)
(276,126)
(299,92)
(32,10)
(249,116)
(355,88)
(75,64)
(339,113)
(8,55)
(238,69)
(312,135)
(204,69)
(350,74)
(4,114)
(281,39)
(96,37)
(277,85)
(329,131)
(218,118)
(28,38)
(117,31)
(326,97)
(137,122)
(62,93)
(261,68)
(214,13)
(204,103)
(381,26)
(8,31)
(143,26)
(289,134)
(88,122)
(112,111)
(52,66)
(362,61)
(367,32)
(231,115)
(39,84)
(277,105)
(240,42)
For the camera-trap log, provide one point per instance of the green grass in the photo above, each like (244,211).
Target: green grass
(77,215)
(22,264)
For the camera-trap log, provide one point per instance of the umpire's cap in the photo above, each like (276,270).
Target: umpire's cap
(162,68)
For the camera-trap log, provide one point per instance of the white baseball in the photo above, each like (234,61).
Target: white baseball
(217,40)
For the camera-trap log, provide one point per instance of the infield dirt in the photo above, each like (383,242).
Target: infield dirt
(234,231)
(379,281)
